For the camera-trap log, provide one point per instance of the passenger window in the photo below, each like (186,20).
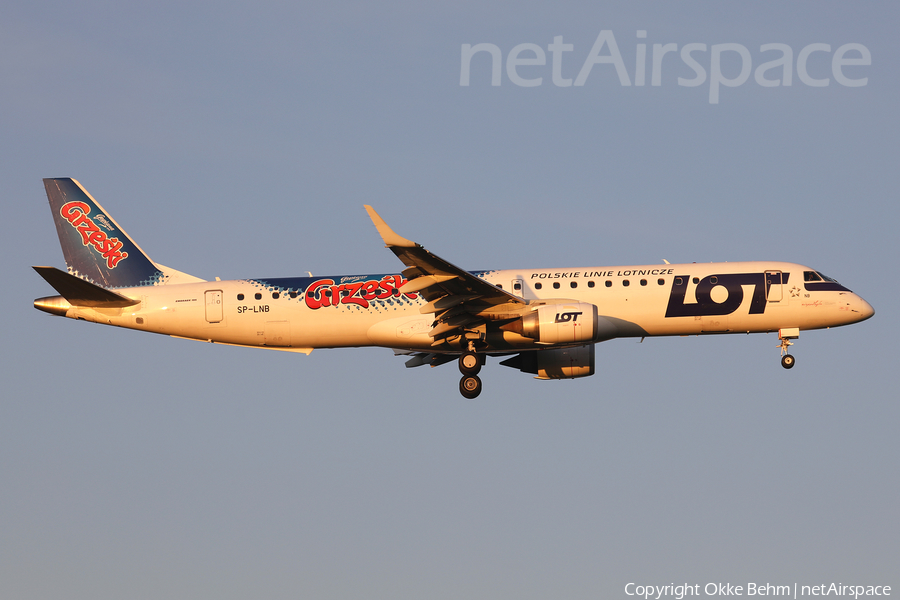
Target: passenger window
(608,283)
(643,282)
(258,296)
(696,280)
(590,284)
(500,286)
(661,281)
(626,283)
(555,285)
(538,286)
(240,296)
(275,295)
(517,286)
(573,284)
(678,281)
(292,294)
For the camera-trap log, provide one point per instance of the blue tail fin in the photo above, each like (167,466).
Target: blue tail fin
(93,244)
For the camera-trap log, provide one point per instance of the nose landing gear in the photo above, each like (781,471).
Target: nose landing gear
(786,335)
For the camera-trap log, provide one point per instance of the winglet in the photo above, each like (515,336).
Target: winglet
(387,234)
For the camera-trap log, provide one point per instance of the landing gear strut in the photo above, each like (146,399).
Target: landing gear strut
(786,335)
(469,366)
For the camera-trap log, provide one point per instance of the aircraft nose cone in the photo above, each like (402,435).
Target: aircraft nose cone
(860,309)
(864,309)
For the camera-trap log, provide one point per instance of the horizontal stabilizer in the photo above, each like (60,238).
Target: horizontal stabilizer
(82,293)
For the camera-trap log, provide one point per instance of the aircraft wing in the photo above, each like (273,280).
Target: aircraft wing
(459,299)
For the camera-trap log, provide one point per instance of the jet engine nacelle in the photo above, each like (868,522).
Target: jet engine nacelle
(561,323)
(555,363)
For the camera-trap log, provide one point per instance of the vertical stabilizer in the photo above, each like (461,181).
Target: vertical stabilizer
(93,244)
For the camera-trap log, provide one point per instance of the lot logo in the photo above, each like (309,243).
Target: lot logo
(733,285)
(76,213)
(567,317)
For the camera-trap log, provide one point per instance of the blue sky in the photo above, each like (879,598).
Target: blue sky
(238,140)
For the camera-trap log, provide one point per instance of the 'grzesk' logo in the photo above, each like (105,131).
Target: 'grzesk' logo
(76,213)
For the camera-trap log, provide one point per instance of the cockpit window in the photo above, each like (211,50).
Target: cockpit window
(816,281)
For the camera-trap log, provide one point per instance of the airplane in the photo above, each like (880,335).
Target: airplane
(545,322)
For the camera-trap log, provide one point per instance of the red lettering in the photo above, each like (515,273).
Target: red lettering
(111,252)
(97,238)
(91,235)
(325,292)
(316,299)
(335,294)
(368,290)
(386,286)
(68,211)
(86,228)
(351,298)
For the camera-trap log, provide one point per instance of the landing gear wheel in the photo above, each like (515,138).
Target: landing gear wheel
(470,386)
(786,335)
(469,363)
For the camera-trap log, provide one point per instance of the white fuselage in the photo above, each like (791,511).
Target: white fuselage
(300,314)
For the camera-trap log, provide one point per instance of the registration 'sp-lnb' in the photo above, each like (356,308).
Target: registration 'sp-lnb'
(694,64)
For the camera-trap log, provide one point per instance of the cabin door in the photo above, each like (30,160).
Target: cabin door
(774,284)
(214,306)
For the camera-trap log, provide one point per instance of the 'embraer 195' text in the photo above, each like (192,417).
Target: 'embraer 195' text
(325,292)
(109,248)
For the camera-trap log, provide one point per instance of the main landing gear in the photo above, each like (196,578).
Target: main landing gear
(786,335)
(469,366)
